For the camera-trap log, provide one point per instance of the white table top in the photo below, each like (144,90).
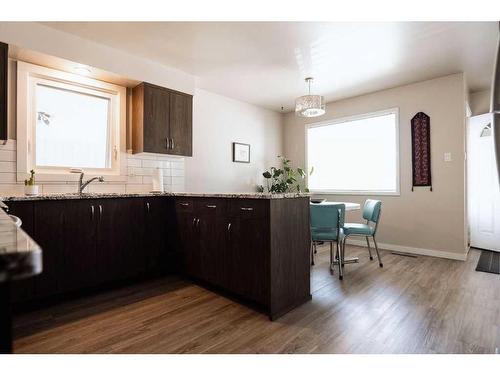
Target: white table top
(349,206)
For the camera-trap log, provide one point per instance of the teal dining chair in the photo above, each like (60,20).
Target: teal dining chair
(326,223)
(372,210)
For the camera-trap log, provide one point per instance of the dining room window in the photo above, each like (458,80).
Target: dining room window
(355,155)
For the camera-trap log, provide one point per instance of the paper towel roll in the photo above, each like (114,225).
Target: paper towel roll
(158,180)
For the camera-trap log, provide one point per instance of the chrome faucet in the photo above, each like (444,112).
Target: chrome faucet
(82,185)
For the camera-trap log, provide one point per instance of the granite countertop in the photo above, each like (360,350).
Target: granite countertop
(20,256)
(166,194)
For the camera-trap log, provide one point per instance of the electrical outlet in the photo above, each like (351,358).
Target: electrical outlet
(447,156)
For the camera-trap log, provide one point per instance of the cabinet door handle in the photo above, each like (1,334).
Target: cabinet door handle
(211,206)
(197,223)
(194,222)
(184,204)
(147,206)
(246,208)
(229,227)
(92,210)
(100,212)
(172,143)
(167,143)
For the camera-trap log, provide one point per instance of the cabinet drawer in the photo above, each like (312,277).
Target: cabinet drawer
(184,205)
(209,206)
(249,208)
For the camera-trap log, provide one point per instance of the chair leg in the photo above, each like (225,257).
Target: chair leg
(339,257)
(369,249)
(378,254)
(331,257)
(312,253)
(342,252)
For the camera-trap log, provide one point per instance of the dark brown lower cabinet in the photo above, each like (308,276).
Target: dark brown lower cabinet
(159,253)
(248,258)
(228,243)
(256,249)
(92,242)
(120,234)
(212,234)
(79,268)
(187,240)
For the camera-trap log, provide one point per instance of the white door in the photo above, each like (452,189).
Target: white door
(483,189)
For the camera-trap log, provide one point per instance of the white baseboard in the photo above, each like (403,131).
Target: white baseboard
(410,250)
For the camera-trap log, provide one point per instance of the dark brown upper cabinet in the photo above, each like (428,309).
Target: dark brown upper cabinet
(162,120)
(4,56)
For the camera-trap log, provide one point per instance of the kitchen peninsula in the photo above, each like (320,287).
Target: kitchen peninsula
(250,246)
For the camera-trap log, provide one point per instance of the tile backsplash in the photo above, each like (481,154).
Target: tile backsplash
(137,171)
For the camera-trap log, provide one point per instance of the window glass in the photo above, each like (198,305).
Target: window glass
(72,129)
(358,155)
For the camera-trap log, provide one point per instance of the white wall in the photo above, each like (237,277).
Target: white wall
(217,122)
(425,222)
(480,102)
(40,38)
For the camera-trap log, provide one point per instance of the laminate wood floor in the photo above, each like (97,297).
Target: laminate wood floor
(412,305)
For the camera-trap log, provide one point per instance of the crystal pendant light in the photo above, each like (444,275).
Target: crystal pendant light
(310,105)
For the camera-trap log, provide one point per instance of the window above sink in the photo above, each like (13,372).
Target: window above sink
(68,121)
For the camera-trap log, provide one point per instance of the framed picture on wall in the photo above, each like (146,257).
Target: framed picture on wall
(241,152)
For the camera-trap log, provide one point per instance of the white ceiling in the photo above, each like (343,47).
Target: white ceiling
(264,63)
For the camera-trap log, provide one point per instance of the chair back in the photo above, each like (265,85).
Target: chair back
(327,217)
(371,210)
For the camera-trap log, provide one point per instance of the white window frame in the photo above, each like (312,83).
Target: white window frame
(335,121)
(28,77)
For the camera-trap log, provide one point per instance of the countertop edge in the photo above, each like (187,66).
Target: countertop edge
(66,196)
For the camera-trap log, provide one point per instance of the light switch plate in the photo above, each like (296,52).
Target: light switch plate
(447,156)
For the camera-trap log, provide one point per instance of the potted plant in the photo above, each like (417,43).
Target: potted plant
(284,179)
(29,185)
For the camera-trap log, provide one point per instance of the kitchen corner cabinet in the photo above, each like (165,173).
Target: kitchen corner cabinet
(4,61)
(162,120)
(250,248)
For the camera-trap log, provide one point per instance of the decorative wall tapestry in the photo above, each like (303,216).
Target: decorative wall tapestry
(421,150)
